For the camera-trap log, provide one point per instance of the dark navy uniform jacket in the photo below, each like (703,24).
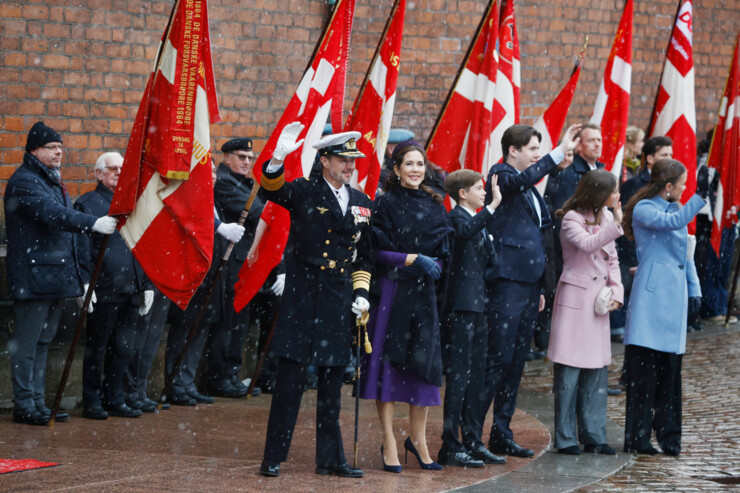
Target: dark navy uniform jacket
(41,225)
(516,230)
(331,257)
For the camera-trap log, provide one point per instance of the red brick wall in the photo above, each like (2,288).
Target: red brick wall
(82,67)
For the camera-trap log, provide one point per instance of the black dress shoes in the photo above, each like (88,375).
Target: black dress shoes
(270,468)
(482,453)
(459,459)
(181,400)
(122,411)
(94,412)
(150,402)
(342,470)
(224,388)
(141,405)
(572,450)
(613,391)
(602,449)
(61,416)
(649,450)
(672,450)
(199,398)
(508,446)
(29,417)
(240,387)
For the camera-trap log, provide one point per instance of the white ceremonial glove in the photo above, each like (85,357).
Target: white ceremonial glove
(148,300)
(690,247)
(231,231)
(360,305)
(81,299)
(279,285)
(287,141)
(105,225)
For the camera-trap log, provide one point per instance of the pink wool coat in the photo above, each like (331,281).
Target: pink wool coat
(579,337)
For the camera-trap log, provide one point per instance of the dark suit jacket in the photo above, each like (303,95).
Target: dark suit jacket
(472,256)
(517,235)
(41,226)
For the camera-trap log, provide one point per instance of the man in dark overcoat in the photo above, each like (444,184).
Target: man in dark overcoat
(43,265)
(327,279)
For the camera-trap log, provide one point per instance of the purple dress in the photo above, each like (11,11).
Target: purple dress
(381,380)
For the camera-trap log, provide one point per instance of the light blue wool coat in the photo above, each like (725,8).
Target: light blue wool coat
(665,278)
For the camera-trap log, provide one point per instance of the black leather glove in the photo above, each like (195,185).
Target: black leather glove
(424,265)
(694,305)
(702,182)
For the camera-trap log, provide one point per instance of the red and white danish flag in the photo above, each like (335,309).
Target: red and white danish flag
(674,113)
(613,101)
(320,92)
(165,191)
(461,136)
(508,82)
(552,121)
(372,112)
(724,153)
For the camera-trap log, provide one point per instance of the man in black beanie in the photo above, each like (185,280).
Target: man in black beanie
(42,264)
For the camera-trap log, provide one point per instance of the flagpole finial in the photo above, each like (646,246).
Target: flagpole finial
(585,45)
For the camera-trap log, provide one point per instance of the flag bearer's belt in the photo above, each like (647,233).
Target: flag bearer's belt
(337,267)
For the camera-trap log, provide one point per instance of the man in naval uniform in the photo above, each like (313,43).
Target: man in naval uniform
(327,279)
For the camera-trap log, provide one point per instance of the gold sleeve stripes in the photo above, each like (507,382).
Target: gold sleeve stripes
(361,280)
(272,184)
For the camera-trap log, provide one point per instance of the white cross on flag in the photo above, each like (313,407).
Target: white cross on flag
(508,82)
(372,112)
(320,91)
(674,114)
(613,101)
(165,191)
(460,139)
(724,153)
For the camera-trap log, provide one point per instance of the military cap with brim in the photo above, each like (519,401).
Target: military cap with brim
(397,135)
(241,144)
(342,145)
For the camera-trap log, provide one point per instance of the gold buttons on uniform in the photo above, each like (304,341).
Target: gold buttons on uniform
(323,268)
(341,271)
(328,242)
(328,231)
(325,255)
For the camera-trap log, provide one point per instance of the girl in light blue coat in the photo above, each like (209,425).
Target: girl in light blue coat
(664,285)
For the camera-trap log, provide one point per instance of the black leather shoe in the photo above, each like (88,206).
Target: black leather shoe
(224,388)
(239,386)
(150,402)
(342,470)
(94,412)
(482,453)
(602,449)
(459,459)
(270,468)
(181,400)
(122,411)
(613,391)
(141,405)
(572,450)
(672,450)
(29,417)
(508,446)
(649,450)
(199,398)
(61,416)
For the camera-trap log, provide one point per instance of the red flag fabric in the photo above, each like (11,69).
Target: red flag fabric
(724,153)
(552,121)
(165,191)
(320,92)
(372,112)
(674,114)
(460,139)
(508,81)
(612,103)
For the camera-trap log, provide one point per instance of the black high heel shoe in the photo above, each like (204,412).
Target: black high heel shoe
(386,467)
(409,446)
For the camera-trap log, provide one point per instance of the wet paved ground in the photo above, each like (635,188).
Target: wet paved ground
(219,447)
(711,419)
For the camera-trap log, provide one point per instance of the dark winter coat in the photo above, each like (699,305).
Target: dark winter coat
(42,227)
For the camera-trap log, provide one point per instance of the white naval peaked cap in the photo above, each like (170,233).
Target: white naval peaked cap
(342,144)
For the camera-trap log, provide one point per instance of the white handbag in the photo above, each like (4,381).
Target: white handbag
(601,306)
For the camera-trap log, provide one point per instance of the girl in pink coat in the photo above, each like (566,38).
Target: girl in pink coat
(579,338)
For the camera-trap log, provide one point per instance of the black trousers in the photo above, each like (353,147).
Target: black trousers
(225,344)
(111,331)
(286,402)
(510,326)
(466,372)
(653,398)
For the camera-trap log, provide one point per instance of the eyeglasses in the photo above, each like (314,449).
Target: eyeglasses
(54,147)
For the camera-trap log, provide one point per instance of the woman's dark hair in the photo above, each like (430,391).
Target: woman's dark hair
(664,171)
(591,194)
(398,155)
